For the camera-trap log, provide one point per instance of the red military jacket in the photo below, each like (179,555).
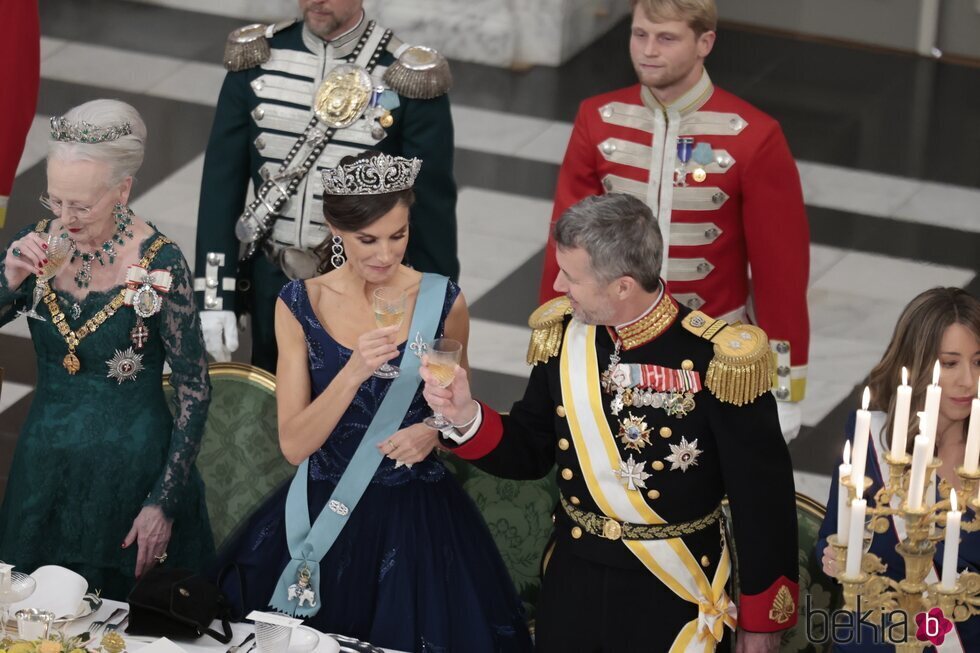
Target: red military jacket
(735,230)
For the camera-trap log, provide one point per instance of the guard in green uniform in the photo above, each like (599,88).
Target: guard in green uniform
(299,96)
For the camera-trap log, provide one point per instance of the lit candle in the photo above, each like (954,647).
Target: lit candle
(900,428)
(862,428)
(855,539)
(933,395)
(972,457)
(952,550)
(917,480)
(843,510)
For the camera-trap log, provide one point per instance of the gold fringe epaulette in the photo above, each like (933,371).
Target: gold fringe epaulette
(419,73)
(547,326)
(742,368)
(248,47)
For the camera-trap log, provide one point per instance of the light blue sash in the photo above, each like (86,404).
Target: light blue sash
(298,591)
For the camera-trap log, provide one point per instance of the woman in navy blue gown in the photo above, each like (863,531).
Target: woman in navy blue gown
(943,324)
(413,567)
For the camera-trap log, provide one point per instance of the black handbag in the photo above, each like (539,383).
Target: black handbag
(177,603)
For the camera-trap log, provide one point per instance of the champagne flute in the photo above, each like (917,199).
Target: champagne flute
(442,359)
(389,310)
(58,253)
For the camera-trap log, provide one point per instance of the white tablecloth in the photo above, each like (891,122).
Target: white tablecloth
(203,645)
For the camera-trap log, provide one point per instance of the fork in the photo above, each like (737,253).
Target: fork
(98,626)
(110,628)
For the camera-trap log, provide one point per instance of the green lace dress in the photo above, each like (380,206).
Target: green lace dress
(94,451)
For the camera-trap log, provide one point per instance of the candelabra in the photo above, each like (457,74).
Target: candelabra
(924,527)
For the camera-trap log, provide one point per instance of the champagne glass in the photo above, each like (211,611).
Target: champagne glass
(442,359)
(15,586)
(58,253)
(389,310)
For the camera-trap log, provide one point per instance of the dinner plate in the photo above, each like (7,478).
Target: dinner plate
(89,606)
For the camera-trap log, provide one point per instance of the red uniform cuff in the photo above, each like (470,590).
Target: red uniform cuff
(772,610)
(486,438)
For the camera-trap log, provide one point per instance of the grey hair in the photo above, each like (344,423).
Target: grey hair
(124,155)
(620,235)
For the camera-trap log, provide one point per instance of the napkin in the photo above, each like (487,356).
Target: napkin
(59,590)
(162,645)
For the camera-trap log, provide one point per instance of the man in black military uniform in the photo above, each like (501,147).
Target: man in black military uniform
(651,423)
(298,97)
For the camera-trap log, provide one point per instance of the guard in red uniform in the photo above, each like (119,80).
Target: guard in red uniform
(20,47)
(716,172)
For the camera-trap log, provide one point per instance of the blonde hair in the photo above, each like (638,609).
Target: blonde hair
(124,155)
(700,15)
(915,345)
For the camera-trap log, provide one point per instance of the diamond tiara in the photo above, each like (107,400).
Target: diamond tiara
(84,132)
(374,176)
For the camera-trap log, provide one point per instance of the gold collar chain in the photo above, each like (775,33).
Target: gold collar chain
(74,338)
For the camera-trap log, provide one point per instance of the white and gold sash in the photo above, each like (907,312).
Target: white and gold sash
(669,560)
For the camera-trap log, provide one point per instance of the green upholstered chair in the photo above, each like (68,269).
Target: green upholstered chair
(824,592)
(240,460)
(518,514)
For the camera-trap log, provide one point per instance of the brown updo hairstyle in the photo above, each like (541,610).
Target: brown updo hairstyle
(356,212)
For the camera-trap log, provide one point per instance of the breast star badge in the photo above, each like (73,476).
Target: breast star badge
(683,455)
(634,432)
(631,473)
(125,365)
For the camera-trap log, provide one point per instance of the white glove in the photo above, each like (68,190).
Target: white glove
(220,334)
(790,419)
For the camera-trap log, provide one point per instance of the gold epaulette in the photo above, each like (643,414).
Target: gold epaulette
(547,322)
(419,73)
(248,47)
(742,367)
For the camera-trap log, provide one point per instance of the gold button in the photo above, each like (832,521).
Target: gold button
(657,465)
(653,494)
(705,561)
(665,432)
(574,501)
(563,444)
(560,411)
(567,474)
(576,532)
(687,364)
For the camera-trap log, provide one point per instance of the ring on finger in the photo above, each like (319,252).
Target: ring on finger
(162,558)
(16,252)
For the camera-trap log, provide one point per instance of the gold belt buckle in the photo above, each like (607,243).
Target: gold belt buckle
(612,529)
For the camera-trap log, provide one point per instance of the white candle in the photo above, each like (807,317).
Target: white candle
(862,428)
(855,539)
(843,510)
(933,395)
(952,550)
(900,427)
(920,457)
(972,457)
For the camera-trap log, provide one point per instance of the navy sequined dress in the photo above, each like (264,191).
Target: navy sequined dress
(415,568)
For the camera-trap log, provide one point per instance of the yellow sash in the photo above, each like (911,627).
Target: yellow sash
(669,560)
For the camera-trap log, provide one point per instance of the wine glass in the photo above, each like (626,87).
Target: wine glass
(19,588)
(58,252)
(442,359)
(389,310)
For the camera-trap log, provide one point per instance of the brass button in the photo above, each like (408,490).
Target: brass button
(665,432)
(567,474)
(576,532)
(657,465)
(653,494)
(560,411)
(687,364)
(705,561)
(563,444)
(612,530)
(574,501)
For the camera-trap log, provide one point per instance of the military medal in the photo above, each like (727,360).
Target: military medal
(651,385)
(144,290)
(683,455)
(685,145)
(631,473)
(702,155)
(125,365)
(139,334)
(699,175)
(634,432)
(301,591)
